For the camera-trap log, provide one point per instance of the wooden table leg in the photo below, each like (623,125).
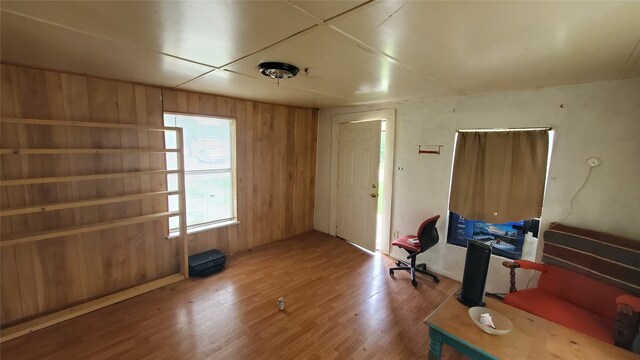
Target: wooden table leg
(435,344)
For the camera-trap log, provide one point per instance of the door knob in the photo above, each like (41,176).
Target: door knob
(373,195)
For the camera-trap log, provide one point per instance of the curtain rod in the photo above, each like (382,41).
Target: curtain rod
(505,129)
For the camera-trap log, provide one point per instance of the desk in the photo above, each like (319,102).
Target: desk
(532,337)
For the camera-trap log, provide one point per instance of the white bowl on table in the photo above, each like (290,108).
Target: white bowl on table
(502,323)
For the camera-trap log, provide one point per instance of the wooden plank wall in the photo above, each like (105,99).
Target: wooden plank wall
(276,154)
(275,169)
(48,275)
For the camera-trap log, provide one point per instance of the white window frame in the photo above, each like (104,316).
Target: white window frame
(195,228)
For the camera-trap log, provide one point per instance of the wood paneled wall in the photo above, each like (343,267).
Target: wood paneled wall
(276,154)
(275,173)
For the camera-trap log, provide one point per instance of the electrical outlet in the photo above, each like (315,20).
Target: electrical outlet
(396,234)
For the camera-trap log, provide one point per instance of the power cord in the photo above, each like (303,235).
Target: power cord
(573,199)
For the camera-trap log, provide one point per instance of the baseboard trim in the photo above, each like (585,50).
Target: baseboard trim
(75,311)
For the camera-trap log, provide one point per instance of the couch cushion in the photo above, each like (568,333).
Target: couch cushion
(552,308)
(581,290)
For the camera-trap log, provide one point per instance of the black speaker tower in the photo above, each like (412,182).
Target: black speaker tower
(474,279)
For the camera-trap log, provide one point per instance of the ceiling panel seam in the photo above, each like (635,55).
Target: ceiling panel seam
(320,21)
(363,45)
(282,84)
(390,58)
(197,77)
(315,18)
(350,11)
(253,53)
(392,14)
(269,46)
(628,64)
(107,38)
(213,68)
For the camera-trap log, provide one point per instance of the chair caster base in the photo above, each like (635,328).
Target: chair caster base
(414,269)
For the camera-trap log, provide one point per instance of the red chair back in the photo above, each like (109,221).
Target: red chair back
(428,233)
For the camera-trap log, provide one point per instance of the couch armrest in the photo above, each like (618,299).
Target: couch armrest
(632,303)
(512,265)
(526,264)
(627,320)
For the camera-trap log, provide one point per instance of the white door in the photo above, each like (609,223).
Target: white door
(358,163)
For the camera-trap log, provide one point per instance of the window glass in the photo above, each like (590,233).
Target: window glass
(505,239)
(208,166)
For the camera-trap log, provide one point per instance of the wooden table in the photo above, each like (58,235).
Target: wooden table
(532,337)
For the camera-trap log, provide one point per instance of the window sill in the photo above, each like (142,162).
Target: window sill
(203,228)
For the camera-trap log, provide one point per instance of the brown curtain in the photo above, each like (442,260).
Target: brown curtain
(499,176)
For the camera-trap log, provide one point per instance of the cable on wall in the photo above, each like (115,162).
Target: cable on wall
(573,199)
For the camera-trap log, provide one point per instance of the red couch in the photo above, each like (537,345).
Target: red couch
(574,300)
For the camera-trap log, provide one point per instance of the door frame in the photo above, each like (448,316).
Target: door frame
(388,115)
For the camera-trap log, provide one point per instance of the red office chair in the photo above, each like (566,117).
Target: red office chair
(426,238)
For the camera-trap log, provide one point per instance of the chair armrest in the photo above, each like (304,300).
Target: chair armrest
(627,320)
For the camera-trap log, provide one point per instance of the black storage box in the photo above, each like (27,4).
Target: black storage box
(206,263)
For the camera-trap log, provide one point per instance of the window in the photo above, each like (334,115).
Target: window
(209,148)
(497,187)
(506,239)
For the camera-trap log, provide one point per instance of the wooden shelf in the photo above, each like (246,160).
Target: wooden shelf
(53,233)
(84,177)
(76,198)
(83,203)
(83,151)
(129,159)
(49,234)
(87,124)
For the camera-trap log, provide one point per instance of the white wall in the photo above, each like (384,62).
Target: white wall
(598,119)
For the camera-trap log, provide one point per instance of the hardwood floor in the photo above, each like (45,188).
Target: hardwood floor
(340,303)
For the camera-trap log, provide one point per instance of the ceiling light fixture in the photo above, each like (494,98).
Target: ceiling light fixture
(278,70)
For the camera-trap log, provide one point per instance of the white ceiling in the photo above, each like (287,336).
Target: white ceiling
(356,51)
